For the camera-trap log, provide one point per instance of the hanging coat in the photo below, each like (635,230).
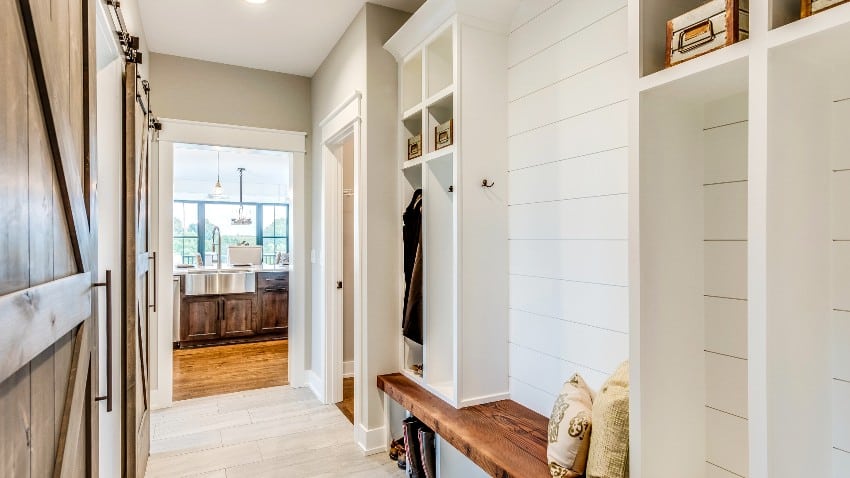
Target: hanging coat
(412,236)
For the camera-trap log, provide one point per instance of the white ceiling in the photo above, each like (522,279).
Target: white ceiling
(288,36)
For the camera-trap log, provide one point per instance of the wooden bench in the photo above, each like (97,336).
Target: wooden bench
(504,438)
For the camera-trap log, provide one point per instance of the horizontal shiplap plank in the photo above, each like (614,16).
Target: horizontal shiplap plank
(726,326)
(726,441)
(841,414)
(726,269)
(714,471)
(840,464)
(570,56)
(557,23)
(597,349)
(592,89)
(528,10)
(731,109)
(726,153)
(596,131)
(841,345)
(547,373)
(603,217)
(726,211)
(602,306)
(841,140)
(841,275)
(840,205)
(726,384)
(601,262)
(599,174)
(531,397)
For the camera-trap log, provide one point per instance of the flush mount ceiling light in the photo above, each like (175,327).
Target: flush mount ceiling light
(256,2)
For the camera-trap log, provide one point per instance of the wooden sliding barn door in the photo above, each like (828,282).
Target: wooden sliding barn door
(136,290)
(48,264)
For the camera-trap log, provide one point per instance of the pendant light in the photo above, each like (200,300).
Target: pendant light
(241,220)
(218,191)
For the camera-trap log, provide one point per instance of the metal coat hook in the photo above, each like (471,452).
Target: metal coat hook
(451,189)
(484,184)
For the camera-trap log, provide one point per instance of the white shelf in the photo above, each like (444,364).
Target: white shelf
(413,163)
(440,153)
(412,112)
(444,390)
(412,376)
(715,75)
(440,96)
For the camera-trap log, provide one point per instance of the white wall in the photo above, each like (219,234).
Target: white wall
(725,205)
(568,203)
(840,280)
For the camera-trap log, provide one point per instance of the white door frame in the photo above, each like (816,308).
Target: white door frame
(181,131)
(342,123)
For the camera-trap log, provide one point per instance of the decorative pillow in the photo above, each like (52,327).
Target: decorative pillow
(609,446)
(569,430)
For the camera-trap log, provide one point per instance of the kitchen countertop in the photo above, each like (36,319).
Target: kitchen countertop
(261,268)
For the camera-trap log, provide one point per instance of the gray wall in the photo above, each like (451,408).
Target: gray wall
(358,62)
(197,90)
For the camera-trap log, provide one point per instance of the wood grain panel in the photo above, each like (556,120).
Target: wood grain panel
(15,424)
(44,430)
(503,438)
(14,246)
(41,195)
(35,318)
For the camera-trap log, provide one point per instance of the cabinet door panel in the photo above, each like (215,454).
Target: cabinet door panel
(238,319)
(274,311)
(199,319)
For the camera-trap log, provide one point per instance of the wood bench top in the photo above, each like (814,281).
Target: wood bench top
(503,438)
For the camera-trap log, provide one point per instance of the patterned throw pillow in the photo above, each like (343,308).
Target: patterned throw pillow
(609,448)
(569,430)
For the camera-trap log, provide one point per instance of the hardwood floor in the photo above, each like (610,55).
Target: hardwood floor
(207,371)
(279,432)
(346,406)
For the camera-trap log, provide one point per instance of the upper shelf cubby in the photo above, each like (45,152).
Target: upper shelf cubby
(412,82)
(441,62)
(653,30)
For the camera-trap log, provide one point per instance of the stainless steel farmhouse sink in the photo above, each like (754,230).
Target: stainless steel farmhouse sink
(220,283)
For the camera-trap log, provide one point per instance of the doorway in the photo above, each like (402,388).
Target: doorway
(228,259)
(345,154)
(230,249)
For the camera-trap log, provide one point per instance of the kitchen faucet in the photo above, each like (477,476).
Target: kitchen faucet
(216,229)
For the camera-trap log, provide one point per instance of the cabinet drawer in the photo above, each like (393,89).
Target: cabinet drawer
(273,279)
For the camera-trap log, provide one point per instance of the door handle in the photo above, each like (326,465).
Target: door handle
(339,284)
(152,257)
(108,285)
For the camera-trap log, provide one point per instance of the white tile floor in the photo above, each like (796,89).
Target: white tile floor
(275,432)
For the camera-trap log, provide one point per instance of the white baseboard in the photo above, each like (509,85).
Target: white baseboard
(160,399)
(372,441)
(315,384)
(348,369)
(471,402)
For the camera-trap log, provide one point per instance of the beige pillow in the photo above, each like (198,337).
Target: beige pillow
(569,430)
(609,446)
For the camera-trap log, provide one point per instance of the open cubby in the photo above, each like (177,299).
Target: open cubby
(693,294)
(441,62)
(653,30)
(440,301)
(439,112)
(809,256)
(412,126)
(411,87)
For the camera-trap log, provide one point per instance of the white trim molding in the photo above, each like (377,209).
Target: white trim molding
(372,441)
(214,134)
(348,369)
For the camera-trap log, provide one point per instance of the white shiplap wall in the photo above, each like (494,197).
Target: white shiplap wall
(568,171)
(725,248)
(840,197)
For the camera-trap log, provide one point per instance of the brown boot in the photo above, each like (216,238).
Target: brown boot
(428,452)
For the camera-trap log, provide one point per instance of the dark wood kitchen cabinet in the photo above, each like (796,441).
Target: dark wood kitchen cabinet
(199,319)
(219,319)
(274,311)
(238,316)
